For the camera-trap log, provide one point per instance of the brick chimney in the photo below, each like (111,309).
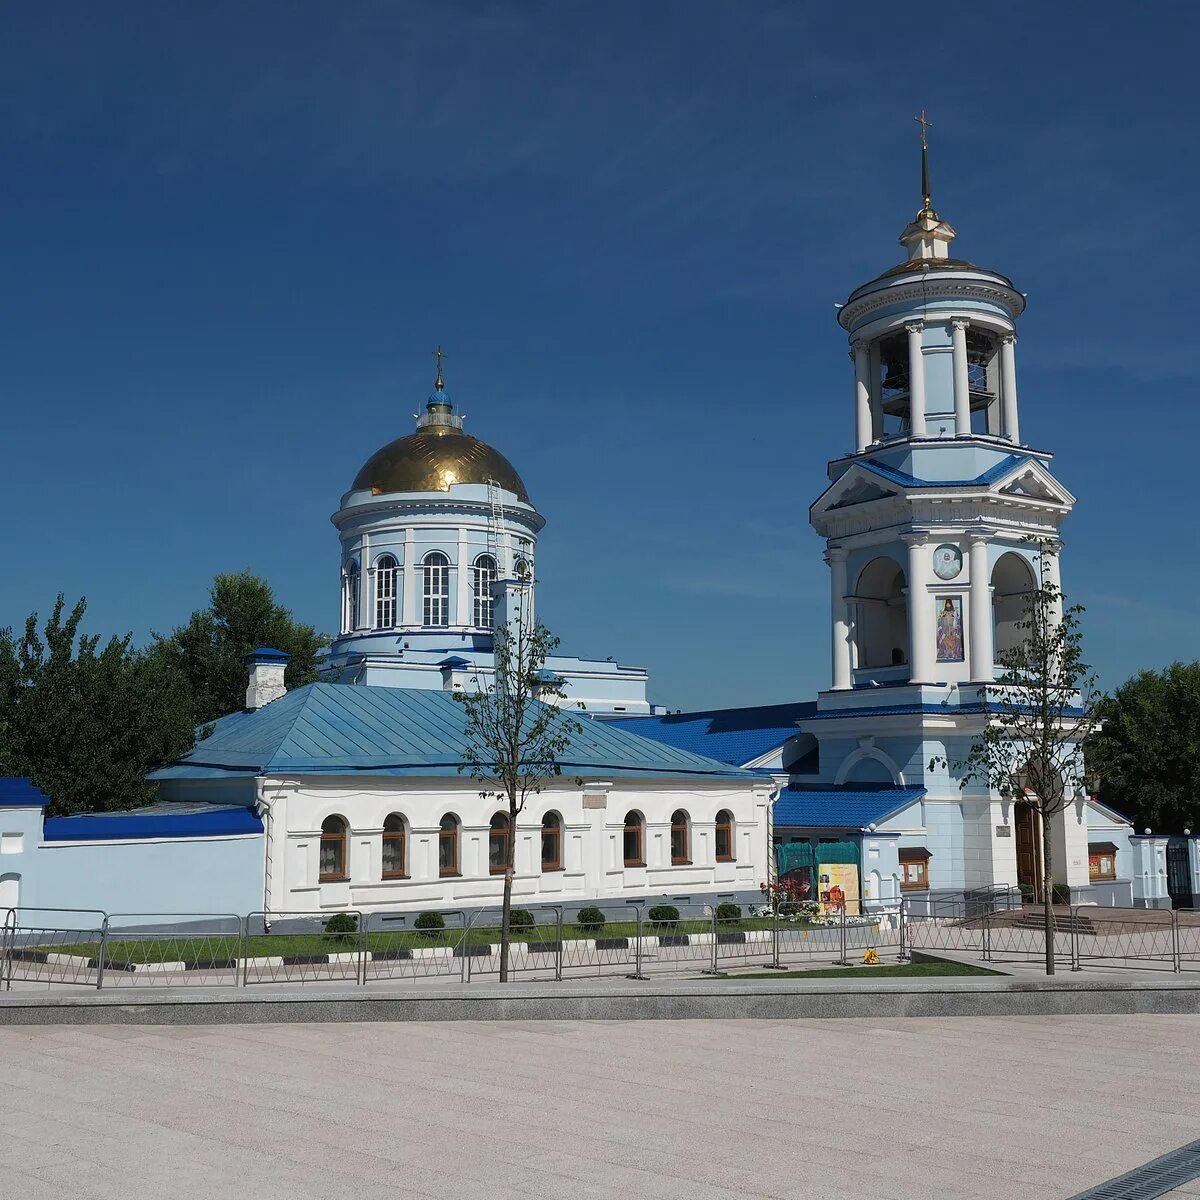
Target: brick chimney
(265,667)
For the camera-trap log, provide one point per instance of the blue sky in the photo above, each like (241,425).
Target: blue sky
(232,233)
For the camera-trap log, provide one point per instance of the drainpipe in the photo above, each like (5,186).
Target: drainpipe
(262,809)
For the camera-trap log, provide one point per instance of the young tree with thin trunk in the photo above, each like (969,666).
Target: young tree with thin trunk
(515,733)
(1038,714)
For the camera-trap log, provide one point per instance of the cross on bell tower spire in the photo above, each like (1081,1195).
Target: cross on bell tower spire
(927,236)
(926,192)
(439,383)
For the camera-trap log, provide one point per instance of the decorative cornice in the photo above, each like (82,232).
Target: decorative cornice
(927,293)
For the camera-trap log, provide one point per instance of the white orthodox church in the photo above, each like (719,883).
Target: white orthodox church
(351,790)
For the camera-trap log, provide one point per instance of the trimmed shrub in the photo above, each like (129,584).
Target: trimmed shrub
(342,927)
(590,918)
(729,912)
(789,908)
(664,914)
(430,924)
(520,918)
(1061,894)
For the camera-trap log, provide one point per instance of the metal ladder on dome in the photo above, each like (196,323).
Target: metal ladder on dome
(497,543)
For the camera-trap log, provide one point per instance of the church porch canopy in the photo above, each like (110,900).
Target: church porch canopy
(856,807)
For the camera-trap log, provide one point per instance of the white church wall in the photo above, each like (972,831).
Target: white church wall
(593,822)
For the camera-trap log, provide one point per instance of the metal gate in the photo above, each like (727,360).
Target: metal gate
(1179,876)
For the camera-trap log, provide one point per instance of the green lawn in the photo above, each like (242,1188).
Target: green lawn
(172,948)
(890,971)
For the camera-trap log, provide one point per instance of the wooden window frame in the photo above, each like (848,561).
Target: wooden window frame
(501,834)
(484,574)
(638,827)
(342,839)
(453,836)
(684,829)
(435,590)
(387,571)
(724,823)
(552,828)
(393,836)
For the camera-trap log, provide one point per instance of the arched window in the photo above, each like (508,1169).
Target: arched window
(1012,584)
(498,836)
(350,578)
(333,850)
(385,592)
(448,846)
(435,589)
(521,568)
(552,842)
(634,840)
(724,836)
(483,576)
(881,615)
(680,848)
(395,848)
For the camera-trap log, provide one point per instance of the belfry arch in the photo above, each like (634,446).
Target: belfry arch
(881,622)
(1012,582)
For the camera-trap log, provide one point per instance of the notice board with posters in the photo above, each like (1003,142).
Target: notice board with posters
(837,884)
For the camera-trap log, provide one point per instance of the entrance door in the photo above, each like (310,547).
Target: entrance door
(1029,857)
(1179,876)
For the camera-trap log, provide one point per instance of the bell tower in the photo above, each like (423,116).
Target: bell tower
(928,521)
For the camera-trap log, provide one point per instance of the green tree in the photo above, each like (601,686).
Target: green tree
(87,720)
(514,736)
(1038,714)
(1147,755)
(242,615)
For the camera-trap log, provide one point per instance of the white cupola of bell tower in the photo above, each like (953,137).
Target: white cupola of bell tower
(932,341)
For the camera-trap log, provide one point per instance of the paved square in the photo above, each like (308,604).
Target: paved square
(703,1110)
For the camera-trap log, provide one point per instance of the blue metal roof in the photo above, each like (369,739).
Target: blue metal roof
(853,807)
(156,821)
(730,735)
(18,792)
(341,728)
(1002,468)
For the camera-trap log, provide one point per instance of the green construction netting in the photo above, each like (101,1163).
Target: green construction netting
(797,855)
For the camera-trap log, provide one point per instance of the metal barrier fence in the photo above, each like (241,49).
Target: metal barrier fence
(84,948)
(53,946)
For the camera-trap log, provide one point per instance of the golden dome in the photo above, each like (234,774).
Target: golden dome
(434,458)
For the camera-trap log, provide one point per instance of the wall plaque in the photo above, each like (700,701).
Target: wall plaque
(595,800)
(1004,831)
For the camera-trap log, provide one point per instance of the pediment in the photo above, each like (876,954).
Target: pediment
(860,492)
(857,486)
(1033,481)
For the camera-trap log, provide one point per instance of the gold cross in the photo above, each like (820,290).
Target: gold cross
(437,383)
(924,124)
